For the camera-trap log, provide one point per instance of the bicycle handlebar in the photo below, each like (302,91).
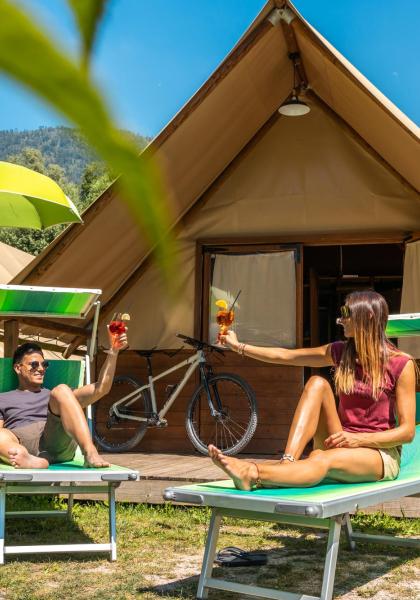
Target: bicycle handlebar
(199,344)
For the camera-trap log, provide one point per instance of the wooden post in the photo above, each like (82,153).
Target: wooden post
(314,318)
(11,337)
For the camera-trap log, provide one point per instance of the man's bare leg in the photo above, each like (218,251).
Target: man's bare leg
(65,404)
(344,464)
(13,453)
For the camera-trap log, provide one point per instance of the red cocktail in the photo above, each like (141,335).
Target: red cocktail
(117,326)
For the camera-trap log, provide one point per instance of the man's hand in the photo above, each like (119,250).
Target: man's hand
(230,340)
(343,439)
(117,342)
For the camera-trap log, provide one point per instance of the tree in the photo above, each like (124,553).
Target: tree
(95,180)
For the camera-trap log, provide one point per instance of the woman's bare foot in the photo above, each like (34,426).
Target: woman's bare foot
(20,458)
(92,459)
(243,473)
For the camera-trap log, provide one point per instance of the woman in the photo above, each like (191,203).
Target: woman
(359,442)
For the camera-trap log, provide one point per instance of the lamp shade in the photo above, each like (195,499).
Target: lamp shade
(294,107)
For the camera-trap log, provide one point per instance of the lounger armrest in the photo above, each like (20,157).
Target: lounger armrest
(298,509)
(15,476)
(178,496)
(120,477)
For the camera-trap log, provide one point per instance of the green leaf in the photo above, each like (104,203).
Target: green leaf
(88,14)
(27,55)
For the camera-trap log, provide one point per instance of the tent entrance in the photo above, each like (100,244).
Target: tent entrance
(332,272)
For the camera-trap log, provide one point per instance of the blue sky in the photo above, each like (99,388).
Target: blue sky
(152,55)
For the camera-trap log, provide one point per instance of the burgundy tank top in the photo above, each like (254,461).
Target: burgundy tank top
(359,411)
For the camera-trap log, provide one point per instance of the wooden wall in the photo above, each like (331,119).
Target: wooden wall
(277,390)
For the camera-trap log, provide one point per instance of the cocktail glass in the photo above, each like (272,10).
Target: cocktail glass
(117,325)
(224,318)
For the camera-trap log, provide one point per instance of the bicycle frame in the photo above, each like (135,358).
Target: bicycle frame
(197,360)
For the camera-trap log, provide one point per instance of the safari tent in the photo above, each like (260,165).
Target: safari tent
(294,211)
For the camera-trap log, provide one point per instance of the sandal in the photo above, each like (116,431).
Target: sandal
(235,557)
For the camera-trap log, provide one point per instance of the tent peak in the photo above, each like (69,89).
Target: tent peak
(281,14)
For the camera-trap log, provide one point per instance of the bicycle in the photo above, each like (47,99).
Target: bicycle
(222,409)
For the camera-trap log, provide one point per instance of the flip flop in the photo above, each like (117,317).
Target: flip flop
(235,557)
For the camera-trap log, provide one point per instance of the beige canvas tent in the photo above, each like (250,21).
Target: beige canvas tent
(294,211)
(12,262)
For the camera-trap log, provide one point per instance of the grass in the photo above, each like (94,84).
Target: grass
(160,551)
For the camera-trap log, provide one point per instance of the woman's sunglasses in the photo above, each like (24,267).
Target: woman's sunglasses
(35,364)
(345,312)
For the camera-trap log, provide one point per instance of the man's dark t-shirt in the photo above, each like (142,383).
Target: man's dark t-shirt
(22,407)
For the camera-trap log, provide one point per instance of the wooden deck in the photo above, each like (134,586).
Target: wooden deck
(159,471)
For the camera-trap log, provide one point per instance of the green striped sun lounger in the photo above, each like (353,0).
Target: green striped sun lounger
(67,478)
(325,506)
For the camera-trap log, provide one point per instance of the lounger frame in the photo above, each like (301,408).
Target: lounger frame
(331,515)
(45,482)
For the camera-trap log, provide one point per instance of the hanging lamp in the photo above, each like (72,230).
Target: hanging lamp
(294,107)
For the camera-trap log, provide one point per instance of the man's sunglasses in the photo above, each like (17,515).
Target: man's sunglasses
(35,364)
(345,312)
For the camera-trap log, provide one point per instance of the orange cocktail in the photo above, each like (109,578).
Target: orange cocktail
(224,318)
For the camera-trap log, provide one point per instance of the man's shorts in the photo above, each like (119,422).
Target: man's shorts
(47,439)
(391,457)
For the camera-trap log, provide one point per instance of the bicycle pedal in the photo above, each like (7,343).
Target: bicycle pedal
(162,423)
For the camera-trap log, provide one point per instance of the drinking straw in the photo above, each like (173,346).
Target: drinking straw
(234,302)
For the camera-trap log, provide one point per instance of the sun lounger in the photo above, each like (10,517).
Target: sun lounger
(325,506)
(66,478)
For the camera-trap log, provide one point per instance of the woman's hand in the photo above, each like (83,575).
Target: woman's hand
(230,340)
(343,439)
(117,342)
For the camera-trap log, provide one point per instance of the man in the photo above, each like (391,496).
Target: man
(39,427)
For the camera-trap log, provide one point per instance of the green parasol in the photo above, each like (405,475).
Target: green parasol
(29,199)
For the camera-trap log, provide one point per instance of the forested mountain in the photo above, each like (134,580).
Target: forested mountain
(62,146)
(62,154)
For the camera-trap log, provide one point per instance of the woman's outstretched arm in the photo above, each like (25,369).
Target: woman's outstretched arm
(300,357)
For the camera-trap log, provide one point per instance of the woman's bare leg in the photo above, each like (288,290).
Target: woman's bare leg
(315,417)
(13,453)
(65,404)
(343,464)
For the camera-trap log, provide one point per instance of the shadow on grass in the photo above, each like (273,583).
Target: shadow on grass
(297,566)
(49,530)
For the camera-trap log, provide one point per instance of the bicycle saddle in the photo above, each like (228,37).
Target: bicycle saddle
(199,344)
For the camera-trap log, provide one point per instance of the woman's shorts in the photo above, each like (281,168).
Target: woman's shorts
(391,458)
(47,439)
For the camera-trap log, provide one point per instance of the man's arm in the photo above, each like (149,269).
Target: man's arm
(92,392)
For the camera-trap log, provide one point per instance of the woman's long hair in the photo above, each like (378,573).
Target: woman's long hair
(369,315)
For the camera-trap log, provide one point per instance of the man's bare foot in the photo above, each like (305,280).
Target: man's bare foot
(92,459)
(21,459)
(243,473)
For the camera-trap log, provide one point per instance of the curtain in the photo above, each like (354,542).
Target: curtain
(265,313)
(410,297)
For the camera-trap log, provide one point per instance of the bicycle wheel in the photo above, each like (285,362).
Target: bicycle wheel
(115,433)
(234,424)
